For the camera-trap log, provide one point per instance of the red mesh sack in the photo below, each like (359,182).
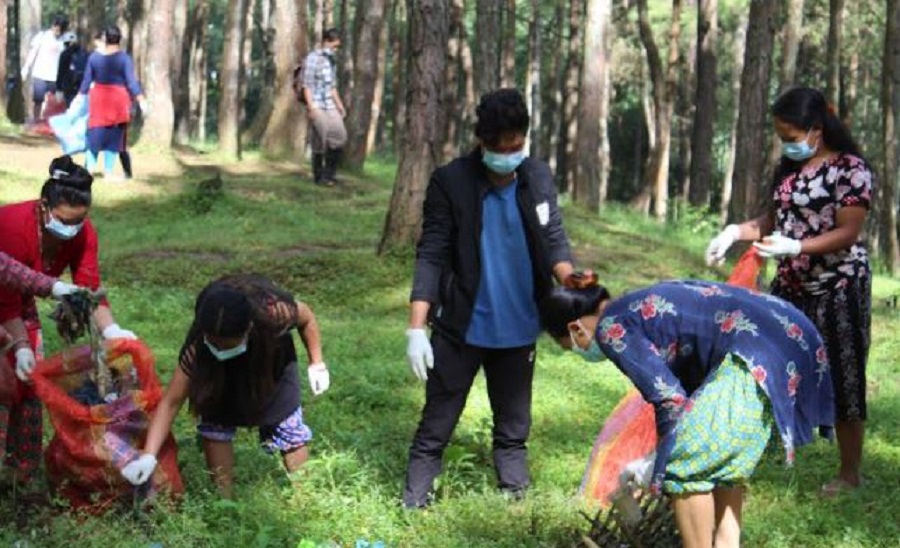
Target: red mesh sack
(92,443)
(747,270)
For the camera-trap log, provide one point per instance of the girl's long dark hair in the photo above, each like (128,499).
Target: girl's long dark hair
(259,369)
(807,108)
(565,304)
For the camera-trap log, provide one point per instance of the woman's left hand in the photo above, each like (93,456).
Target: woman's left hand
(319,379)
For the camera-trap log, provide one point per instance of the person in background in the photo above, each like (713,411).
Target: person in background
(722,367)
(42,62)
(492,242)
(238,367)
(821,193)
(49,236)
(326,111)
(110,85)
(72,63)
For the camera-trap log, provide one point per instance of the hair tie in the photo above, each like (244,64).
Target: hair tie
(581,280)
(831,110)
(58,174)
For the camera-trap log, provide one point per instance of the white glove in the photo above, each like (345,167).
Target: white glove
(60,97)
(638,472)
(419,353)
(140,469)
(25,362)
(718,246)
(319,379)
(144,106)
(777,246)
(113,331)
(62,288)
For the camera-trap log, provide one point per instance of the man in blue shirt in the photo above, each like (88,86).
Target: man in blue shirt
(492,242)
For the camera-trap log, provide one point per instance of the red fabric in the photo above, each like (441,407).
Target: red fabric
(746,271)
(92,443)
(20,227)
(109,105)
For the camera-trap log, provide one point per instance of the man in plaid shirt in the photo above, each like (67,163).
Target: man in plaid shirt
(326,111)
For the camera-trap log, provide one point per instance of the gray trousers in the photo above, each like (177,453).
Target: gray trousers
(327,131)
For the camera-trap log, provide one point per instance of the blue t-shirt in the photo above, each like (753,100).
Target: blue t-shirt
(505,314)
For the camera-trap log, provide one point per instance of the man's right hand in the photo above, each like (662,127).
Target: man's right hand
(419,353)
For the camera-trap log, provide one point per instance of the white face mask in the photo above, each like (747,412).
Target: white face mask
(223,355)
(61,230)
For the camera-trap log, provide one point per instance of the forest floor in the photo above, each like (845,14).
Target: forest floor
(162,240)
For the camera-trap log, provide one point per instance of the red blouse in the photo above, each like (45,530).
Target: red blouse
(20,238)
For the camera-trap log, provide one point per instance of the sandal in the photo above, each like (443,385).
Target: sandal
(837,487)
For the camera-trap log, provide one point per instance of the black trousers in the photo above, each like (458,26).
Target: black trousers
(509,372)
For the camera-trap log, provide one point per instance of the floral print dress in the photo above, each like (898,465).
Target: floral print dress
(669,339)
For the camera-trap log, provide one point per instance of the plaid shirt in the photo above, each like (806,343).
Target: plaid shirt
(320,78)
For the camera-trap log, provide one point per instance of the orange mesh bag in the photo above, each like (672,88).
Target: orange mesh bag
(747,270)
(92,443)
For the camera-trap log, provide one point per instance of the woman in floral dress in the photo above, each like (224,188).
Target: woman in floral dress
(722,367)
(821,195)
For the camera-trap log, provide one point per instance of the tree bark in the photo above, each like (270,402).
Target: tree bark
(508,63)
(180,62)
(835,43)
(705,104)
(890,106)
(553,96)
(399,47)
(318,22)
(160,124)
(29,26)
(740,45)
(230,72)
(328,17)
(4,95)
(285,134)
(533,83)
(590,167)
(487,52)
(347,57)
(568,131)
(428,29)
(452,116)
(664,89)
(792,35)
(195,125)
(376,123)
(750,159)
(366,77)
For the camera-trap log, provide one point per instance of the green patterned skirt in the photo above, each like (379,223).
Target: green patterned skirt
(722,437)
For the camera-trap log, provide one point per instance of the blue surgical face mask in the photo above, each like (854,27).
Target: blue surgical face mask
(592,353)
(503,164)
(61,230)
(799,151)
(223,355)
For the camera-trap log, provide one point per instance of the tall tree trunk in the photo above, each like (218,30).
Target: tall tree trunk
(159,125)
(125,12)
(792,35)
(263,74)
(568,131)
(508,63)
(318,22)
(705,104)
(137,15)
(664,87)
(428,28)
(366,75)
(452,119)
(285,134)
(835,43)
(683,118)
(376,122)
(641,201)
(197,74)
(487,52)
(349,34)
(590,167)
(180,60)
(740,45)
(230,106)
(400,49)
(29,26)
(750,159)
(465,137)
(553,95)
(4,95)
(890,106)
(96,15)
(533,82)
(247,69)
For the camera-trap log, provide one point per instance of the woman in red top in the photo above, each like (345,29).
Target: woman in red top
(49,236)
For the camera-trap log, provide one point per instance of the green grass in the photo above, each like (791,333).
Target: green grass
(157,253)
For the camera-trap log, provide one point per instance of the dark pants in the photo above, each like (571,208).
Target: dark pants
(509,373)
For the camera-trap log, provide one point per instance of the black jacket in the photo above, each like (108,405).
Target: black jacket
(448,261)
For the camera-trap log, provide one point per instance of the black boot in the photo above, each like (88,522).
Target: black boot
(318,166)
(332,157)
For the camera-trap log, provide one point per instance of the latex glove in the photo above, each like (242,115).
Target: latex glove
(113,331)
(777,246)
(60,97)
(638,472)
(319,379)
(25,362)
(62,288)
(144,106)
(718,246)
(419,353)
(140,469)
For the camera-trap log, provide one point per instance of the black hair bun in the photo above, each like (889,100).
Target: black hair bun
(66,172)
